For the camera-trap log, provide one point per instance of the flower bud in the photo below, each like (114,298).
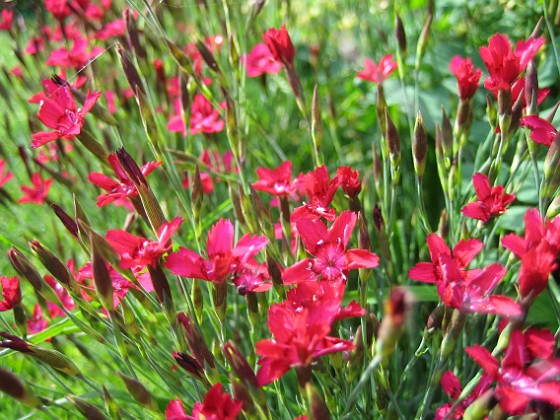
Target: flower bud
(190,365)
(423,41)
(207,56)
(89,411)
(219,299)
(239,365)
(480,408)
(419,146)
(130,72)
(10,384)
(446,135)
(400,35)
(316,123)
(69,223)
(273,270)
(101,278)
(197,193)
(56,267)
(491,113)
(397,309)
(554,208)
(552,113)
(552,169)
(133,35)
(392,137)
(110,404)
(531,88)
(318,408)
(161,286)
(139,392)
(196,342)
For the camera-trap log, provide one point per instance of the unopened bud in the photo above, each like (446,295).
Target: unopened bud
(423,41)
(196,342)
(552,169)
(11,385)
(419,146)
(207,56)
(316,123)
(88,410)
(190,365)
(110,404)
(239,364)
(130,72)
(480,408)
(56,267)
(318,408)
(219,295)
(133,35)
(400,35)
(552,113)
(380,109)
(531,88)
(69,223)
(554,208)
(491,113)
(161,286)
(435,319)
(197,299)
(274,270)
(392,137)
(446,134)
(364,240)
(516,112)
(138,392)
(197,193)
(101,278)
(378,218)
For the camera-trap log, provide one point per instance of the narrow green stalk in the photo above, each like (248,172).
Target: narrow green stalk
(364,379)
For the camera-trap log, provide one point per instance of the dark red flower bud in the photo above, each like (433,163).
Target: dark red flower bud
(239,364)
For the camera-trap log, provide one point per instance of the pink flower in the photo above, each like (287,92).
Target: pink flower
(5,175)
(11,293)
(463,253)
(75,58)
(332,261)
(300,326)
(38,192)
(261,61)
(378,73)
(136,251)
(60,113)
(320,190)
(204,118)
(537,251)
(217,405)
(467,76)
(175,410)
(349,181)
(520,380)
(280,45)
(452,387)
(59,8)
(504,65)
(6,18)
(35,45)
(277,182)
(492,202)
(37,322)
(112,29)
(542,131)
(223,258)
(121,189)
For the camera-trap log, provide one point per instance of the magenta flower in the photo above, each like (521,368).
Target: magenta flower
(204,118)
(217,404)
(112,29)
(5,175)
(6,18)
(537,251)
(320,190)
(277,182)
(261,61)
(300,326)
(136,251)
(520,381)
(349,181)
(378,73)
(280,45)
(59,112)
(492,202)
(332,261)
(542,131)
(11,293)
(505,65)
(76,58)
(452,387)
(38,192)
(58,8)
(121,189)
(467,76)
(223,258)
(463,253)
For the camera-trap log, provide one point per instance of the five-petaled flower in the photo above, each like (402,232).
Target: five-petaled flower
(217,404)
(542,131)
(261,61)
(204,118)
(121,189)
(378,73)
(505,65)
(59,112)
(136,251)
(492,201)
(11,293)
(277,181)
(332,260)
(223,258)
(520,379)
(467,76)
(38,192)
